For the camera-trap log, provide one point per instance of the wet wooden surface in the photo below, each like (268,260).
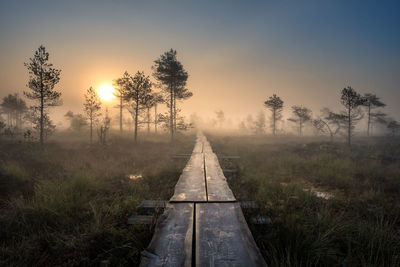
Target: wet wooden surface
(191,185)
(217,186)
(171,244)
(203,203)
(223,238)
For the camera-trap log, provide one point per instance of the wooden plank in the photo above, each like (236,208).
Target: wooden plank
(217,187)
(206,146)
(171,244)
(191,185)
(223,237)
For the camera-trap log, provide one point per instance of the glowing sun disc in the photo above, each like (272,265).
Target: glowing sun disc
(106,92)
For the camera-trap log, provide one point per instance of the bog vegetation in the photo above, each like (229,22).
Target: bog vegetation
(332,198)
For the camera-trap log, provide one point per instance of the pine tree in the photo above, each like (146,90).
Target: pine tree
(170,73)
(275,104)
(42,79)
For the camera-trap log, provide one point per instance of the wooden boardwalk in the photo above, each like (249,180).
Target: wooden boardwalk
(202,225)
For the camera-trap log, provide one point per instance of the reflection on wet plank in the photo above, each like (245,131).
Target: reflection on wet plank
(191,184)
(217,186)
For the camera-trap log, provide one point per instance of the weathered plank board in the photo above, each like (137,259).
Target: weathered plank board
(223,237)
(191,185)
(217,187)
(171,244)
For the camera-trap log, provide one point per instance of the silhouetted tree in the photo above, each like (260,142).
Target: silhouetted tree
(92,107)
(77,121)
(259,124)
(135,89)
(42,79)
(301,116)
(371,102)
(329,122)
(14,107)
(170,73)
(352,101)
(275,104)
(394,127)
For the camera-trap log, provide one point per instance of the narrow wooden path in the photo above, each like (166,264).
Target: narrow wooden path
(202,225)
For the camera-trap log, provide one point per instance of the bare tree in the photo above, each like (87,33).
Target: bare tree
(275,104)
(352,101)
(170,73)
(42,79)
(301,116)
(92,107)
(371,102)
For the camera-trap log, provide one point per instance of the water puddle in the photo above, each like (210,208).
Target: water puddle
(319,194)
(134,176)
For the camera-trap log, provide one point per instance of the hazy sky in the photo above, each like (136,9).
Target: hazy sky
(237,53)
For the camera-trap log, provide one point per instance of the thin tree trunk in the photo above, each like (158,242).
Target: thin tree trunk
(349,130)
(41,108)
(155,118)
(171,114)
(120,113)
(136,119)
(274,122)
(174,113)
(301,127)
(91,127)
(369,119)
(148,120)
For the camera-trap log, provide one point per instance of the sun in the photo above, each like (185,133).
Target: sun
(106,92)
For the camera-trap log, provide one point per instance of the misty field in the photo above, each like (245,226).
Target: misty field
(68,204)
(329,205)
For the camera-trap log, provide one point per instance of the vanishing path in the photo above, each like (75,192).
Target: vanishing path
(203,225)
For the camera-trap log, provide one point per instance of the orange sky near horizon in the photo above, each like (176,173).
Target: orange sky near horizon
(234,62)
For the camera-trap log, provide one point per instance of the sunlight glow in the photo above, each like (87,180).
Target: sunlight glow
(106,92)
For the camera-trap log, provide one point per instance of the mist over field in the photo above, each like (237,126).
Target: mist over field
(199,133)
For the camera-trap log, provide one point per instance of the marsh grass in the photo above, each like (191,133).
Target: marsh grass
(359,226)
(68,204)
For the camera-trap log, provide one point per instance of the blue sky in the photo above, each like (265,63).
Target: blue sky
(239,51)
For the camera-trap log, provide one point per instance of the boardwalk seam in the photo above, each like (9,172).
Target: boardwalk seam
(205,175)
(194,237)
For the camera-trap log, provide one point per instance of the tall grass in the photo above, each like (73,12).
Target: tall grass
(358,227)
(77,202)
